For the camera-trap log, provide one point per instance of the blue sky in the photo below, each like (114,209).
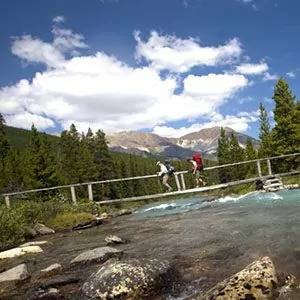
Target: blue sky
(166,66)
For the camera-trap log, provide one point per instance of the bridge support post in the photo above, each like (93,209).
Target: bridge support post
(7,202)
(269,167)
(73,194)
(259,168)
(90,191)
(182,181)
(177,182)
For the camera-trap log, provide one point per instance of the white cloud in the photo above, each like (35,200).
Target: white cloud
(252,69)
(99,91)
(291,74)
(32,49)
(179,55)
(59,19)
(25,120)
(238,123)
(267,76)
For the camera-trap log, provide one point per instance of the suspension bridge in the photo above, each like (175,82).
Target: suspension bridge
(179,180)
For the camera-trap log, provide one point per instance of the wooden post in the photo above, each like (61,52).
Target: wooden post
(182,181)
(73,194)
(269,167)
(258,168)
(177,182)
(90,191)
(7,202)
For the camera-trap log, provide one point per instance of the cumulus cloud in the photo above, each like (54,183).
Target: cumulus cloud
(268,77)
(252,69)
(168,52)
(238,123)
(100,91)
(291,74)
(32,49)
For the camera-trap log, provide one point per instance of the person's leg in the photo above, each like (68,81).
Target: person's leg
(198,179)
(165,182)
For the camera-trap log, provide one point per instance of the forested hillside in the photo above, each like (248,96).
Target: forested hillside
(32,160)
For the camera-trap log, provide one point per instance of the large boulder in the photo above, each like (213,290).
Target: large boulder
(257,281)
(17,273)
(19,251)
(131,279)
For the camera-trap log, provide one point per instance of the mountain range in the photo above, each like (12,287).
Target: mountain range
(145,144)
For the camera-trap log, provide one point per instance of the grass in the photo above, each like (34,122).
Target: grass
(68,220)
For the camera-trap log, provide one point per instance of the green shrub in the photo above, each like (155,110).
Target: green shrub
(12,227)
(69,220)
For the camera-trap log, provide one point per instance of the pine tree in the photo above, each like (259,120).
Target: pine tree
(285,130)
(69,147)
(40,162)
(4,150)
(250,154)
(236,155)
(265,137)
(223,154)
(13,172)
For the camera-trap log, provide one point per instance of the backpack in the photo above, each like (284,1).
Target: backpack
(197,158)
(170,168)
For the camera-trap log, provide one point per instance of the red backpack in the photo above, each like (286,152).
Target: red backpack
(198,160)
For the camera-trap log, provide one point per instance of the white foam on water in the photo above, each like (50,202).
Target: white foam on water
(159,207)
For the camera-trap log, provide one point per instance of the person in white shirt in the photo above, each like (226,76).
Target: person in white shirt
(164,174)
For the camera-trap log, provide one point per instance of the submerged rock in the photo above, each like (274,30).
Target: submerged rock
(257,281)
(19,251)
(132,279)
(17,273)
(101,255)
(113,239)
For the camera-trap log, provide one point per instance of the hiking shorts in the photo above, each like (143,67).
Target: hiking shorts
(165,178)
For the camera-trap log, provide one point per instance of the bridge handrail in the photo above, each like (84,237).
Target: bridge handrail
(139,177)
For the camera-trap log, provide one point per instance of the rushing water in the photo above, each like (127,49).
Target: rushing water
(208,241)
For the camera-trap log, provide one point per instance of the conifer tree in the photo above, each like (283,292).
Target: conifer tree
(236,155)
(4,150)
(250,154)
(265,137)
(285,129)
(223,154)
(40,162)
(13,173)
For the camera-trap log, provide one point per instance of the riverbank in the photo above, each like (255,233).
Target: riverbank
(207,244)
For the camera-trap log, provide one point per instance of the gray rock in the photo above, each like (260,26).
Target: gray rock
(17,273)
(113,239)
(52,269)
(35,243)
(133,279)
(43,230)
(101,255)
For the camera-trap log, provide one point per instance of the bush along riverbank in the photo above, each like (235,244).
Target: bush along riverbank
(24,220)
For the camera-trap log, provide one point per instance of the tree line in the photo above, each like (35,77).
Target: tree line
(283,138)
(75,158)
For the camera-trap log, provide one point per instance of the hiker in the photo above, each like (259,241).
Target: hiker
(196,162)
(164,173)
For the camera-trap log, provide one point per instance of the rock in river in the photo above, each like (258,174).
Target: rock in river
(257,281)
(131,279)
(101,255)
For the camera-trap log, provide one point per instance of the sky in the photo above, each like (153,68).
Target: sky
(169,67)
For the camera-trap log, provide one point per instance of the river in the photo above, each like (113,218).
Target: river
(208,241)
